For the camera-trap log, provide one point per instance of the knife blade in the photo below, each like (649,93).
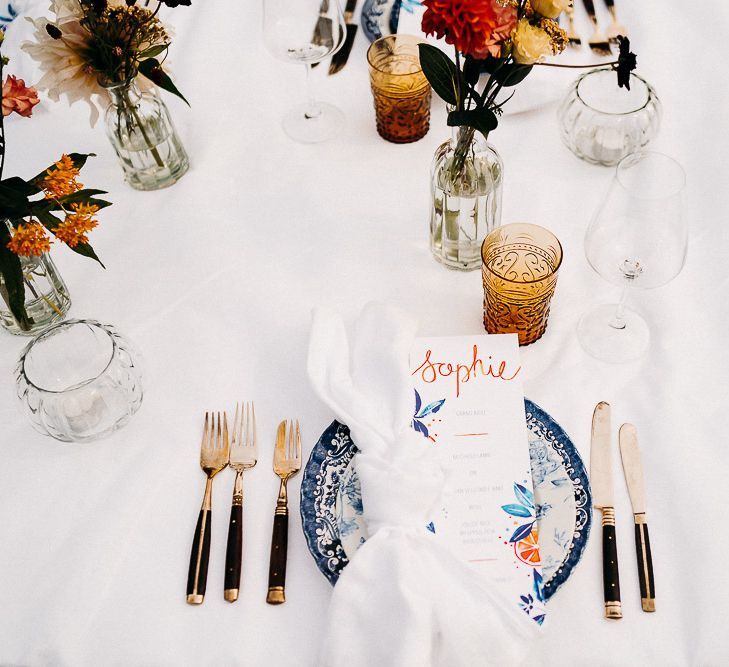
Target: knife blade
(601,481)
(339,59)
(633,469)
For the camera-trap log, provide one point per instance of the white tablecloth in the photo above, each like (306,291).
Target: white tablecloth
(215,279)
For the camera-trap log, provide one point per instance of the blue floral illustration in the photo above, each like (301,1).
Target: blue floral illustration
(422,412)
(524,508)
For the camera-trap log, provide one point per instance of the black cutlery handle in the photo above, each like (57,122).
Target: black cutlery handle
(590,9)
(197,575)
(645,564)
(609,3)
(234,552)
(610,573)
(279,548)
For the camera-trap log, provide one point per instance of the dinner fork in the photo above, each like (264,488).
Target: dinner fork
(243,455)
(573,39)
(286,463)
(213,458)
(615,29)
(598,42)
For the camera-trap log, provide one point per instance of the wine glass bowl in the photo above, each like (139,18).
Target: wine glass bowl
(637,238)
(305,32)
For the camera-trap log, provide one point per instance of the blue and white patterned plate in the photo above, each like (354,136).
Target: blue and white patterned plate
(331,502)
(380,17)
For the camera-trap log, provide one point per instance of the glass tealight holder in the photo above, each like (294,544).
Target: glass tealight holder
(79,381)
(602,123)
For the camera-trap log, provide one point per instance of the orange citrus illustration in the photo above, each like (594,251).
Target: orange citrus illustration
(527,550)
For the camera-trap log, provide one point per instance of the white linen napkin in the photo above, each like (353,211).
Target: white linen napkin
(404,600)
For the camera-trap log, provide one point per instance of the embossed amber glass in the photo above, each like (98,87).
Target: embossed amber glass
(520,263)
(400,89)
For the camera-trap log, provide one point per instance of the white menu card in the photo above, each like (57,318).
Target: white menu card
(469,403)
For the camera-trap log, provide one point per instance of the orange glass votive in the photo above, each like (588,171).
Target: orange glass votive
(400,89)
(519,264)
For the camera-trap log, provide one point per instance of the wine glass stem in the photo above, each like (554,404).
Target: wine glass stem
(618,321)
(312,107)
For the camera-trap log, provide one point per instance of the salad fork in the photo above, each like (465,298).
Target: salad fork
(243,455)
(213,458)
(615,29)
(286,463)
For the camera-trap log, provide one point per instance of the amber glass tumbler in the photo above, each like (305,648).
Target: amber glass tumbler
(400,89)
(520,263)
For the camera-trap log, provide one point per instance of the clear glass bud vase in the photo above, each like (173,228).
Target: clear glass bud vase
(46,297)
(466,184)
(141,131)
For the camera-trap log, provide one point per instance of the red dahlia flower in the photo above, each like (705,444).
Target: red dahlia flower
(475,27)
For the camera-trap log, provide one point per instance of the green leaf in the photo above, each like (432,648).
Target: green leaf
(472,70)
(152,69)
(87,251)
(154,51)
(18,184)
(441,73)
(78,159)
(13,203)
(512,74)
(12,288)
(483,120)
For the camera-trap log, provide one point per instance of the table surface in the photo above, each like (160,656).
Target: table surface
(215,279)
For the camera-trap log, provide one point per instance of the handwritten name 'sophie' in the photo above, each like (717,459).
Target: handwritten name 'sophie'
(431,370)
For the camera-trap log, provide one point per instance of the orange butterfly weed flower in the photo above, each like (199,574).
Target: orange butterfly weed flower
(60,180)
(29,239)
(74,229)
(476,28)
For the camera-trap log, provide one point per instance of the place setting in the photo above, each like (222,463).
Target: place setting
(431,409)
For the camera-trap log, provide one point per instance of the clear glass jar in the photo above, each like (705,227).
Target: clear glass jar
(602,123)
(141,131)
(466,185)
(79,381)
(46,296)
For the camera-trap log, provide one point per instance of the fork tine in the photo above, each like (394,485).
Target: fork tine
(225,435)
(253,425)
(203,444)
(236,431)
(298,442)
(247,440)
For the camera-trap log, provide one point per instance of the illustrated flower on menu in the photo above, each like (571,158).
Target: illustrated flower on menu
(18,97)
(92,43)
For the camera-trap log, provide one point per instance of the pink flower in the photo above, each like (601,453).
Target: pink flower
(17,97)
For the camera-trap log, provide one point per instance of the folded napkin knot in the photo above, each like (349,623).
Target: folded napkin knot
(400,490)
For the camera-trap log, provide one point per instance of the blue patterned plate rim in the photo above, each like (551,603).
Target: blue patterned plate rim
(330,556)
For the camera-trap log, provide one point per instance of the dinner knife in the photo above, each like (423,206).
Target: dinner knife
(601,480)
(630,454)
(339,59)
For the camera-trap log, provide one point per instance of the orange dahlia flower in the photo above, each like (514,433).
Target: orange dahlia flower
(18,97)
(476,28)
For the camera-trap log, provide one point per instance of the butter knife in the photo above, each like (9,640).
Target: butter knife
(601,480)
(339,59)
(630,454)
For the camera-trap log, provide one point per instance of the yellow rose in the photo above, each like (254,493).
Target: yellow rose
(550,8)
(530,43)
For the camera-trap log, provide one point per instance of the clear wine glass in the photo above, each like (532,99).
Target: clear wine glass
(306,32)
(637,238)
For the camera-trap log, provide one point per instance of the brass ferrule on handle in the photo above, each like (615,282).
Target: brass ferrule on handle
(238,489)
(608,516)
(282,502)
